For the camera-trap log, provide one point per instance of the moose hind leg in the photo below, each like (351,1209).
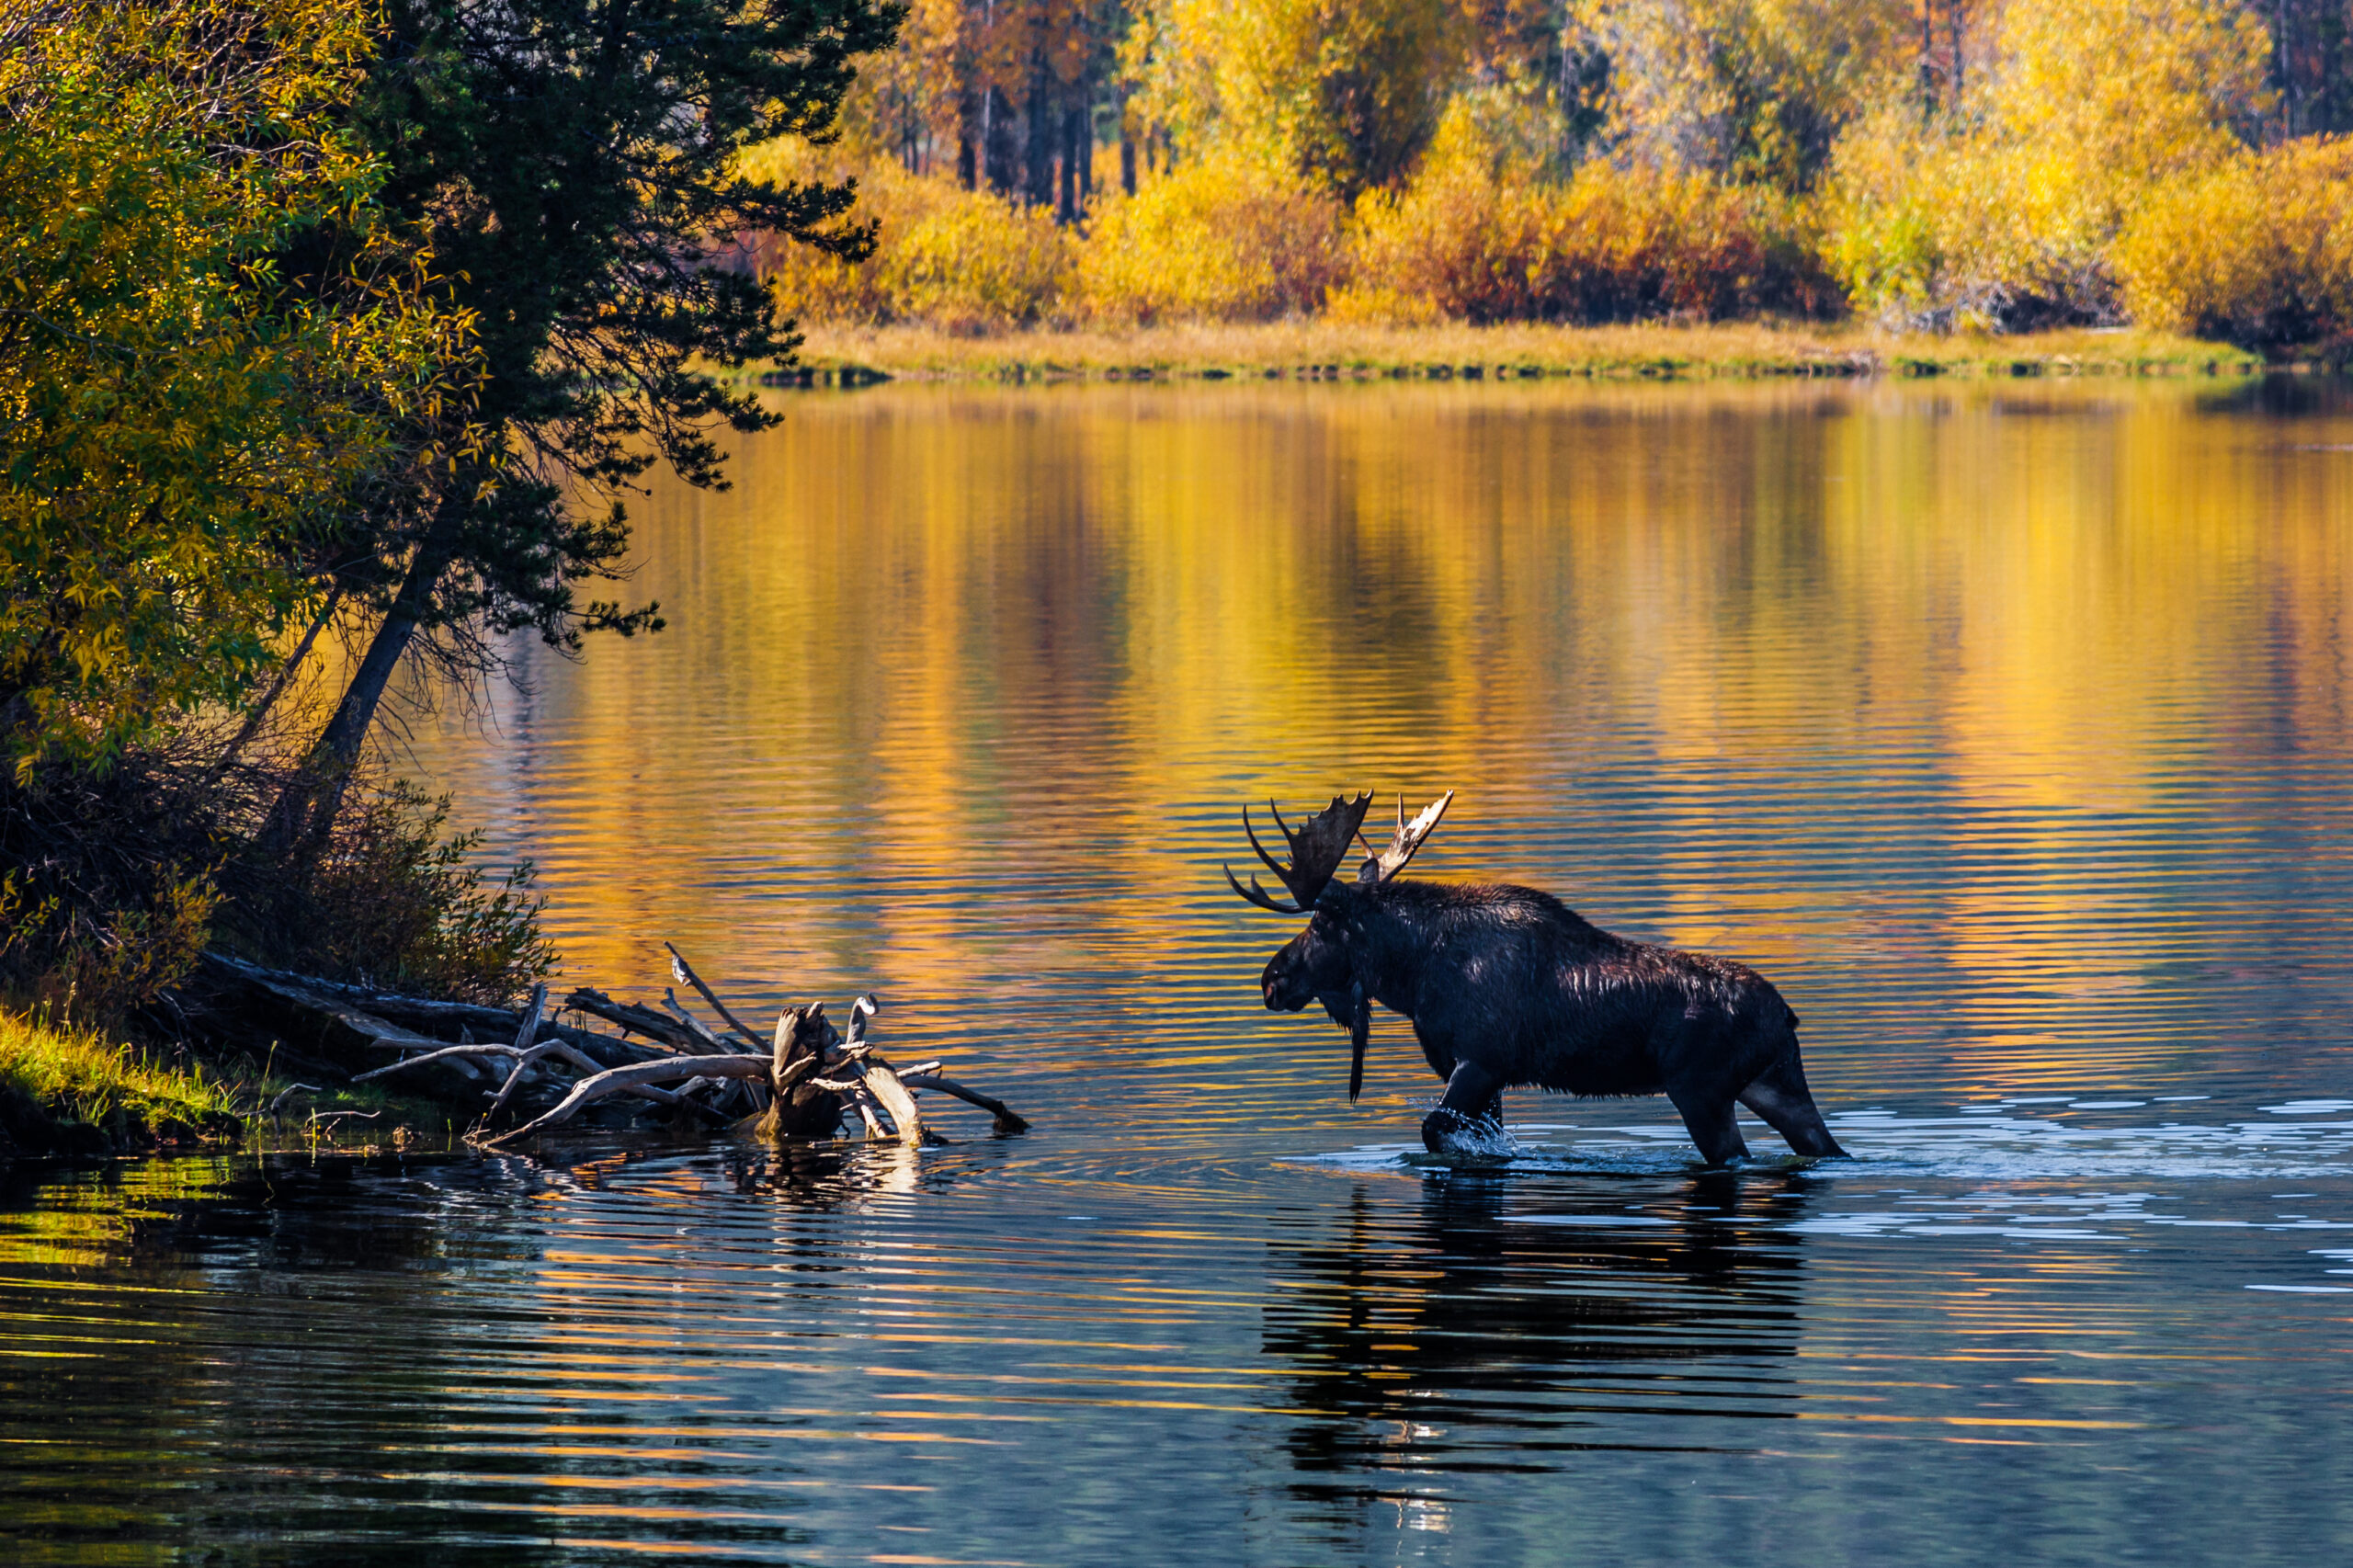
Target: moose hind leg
(1781,1097)
(1712,1126)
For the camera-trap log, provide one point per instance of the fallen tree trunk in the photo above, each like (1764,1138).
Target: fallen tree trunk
(549,1071)
(620,1079)
(367,1017)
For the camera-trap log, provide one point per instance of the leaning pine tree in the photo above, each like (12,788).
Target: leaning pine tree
(571,166)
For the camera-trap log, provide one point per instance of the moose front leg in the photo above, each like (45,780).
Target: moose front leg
(1471,1110)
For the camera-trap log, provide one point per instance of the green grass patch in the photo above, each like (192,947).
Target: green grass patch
(75,1075)
(71,1090)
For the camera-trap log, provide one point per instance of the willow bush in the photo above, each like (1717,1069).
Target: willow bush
(176,418)
(2002,209)
(964,260)
(1481,237)
(1226,239)
(2257,252)
(977,261)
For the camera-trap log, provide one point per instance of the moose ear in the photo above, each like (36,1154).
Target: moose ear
(1338,898)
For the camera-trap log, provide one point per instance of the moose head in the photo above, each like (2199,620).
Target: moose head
(1324,962)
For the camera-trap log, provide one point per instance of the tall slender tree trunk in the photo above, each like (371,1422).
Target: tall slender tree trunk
(1039,134)
(1072,191)
(277,685)
(1927,59)
(988,139)
(308,806)
(340,741)
(1958,17)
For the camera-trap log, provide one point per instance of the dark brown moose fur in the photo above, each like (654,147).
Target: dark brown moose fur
(1506,987)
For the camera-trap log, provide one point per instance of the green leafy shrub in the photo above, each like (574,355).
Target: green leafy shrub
(175,418)
(389,902)
(107,896)
(117,882)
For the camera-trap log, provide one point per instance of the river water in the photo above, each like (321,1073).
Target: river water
(2005,727)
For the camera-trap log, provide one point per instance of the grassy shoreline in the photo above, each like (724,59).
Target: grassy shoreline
(71,1091)
(1320,350)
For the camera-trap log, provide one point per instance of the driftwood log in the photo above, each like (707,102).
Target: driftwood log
(538,1072)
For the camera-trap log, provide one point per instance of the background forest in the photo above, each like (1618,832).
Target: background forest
(1924,164)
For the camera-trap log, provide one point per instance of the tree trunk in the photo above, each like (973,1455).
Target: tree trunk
(1927,59)
(308,807)
(1068,196)
(990,163)
(1039,133)
(355,714)
(1957,15)
(277,685)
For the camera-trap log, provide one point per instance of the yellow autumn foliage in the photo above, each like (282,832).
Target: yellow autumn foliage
(1742,158)
(2001,212)
(1482,237)
(977,261)
(1223,239)
(176,417)
(964,259)
(2258,251)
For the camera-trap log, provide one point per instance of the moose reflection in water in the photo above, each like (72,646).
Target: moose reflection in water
(1493,1326)
(1508,987)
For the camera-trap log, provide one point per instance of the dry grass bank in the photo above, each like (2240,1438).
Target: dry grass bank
(1323,349)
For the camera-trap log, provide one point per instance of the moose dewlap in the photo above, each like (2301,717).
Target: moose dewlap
(1508,987)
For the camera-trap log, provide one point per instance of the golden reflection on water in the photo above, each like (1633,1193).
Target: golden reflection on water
(2005,701)
(2003,726)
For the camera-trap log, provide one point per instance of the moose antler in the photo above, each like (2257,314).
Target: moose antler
(1383,864)
(1316,851)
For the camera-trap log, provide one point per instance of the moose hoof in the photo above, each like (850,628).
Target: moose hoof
(1448,1132)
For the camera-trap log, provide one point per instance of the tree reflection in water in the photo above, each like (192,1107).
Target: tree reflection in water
(1498,1326)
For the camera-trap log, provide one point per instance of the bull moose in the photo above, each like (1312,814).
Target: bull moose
(1506,987)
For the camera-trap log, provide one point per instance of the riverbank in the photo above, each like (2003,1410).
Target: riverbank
(76,1093)
(72,1091)
(835,355)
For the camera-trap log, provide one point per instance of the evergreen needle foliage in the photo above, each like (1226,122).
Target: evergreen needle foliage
(572,166)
